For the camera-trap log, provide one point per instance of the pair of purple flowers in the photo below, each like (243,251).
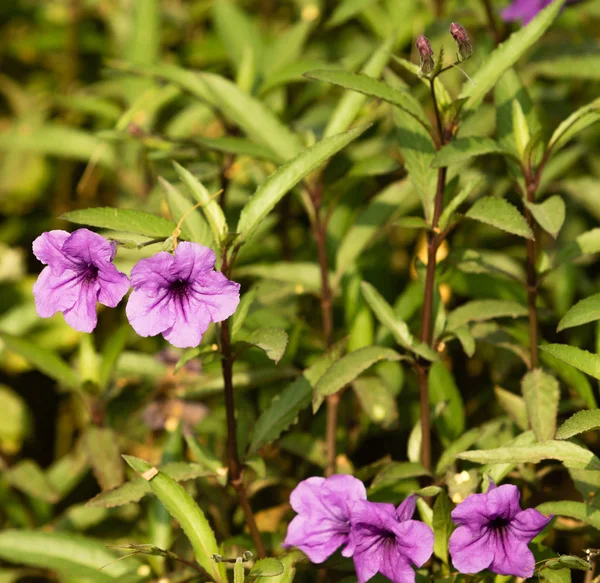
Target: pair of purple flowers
(493,532)
(177,295)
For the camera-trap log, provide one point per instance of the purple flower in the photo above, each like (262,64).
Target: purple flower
(179,295)
(388,541)
(79,274)
(494,532)
(525,10)
(323,521)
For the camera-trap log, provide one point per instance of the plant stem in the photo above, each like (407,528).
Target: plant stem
(233,460)
(493,23)
(319,229)
(532,283)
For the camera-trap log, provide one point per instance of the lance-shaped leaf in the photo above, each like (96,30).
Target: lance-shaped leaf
(520,128)
(481,310)
(541,394)
(514,407)
(126,220)
(269,567)
(442,526)
(462,149)
(272,341)
(576,122)
(499,213)
(237,146)
(395,472)
(550,214)
(570,454)
(366,85)
(102,448)
(576,510)
(182,507)
(585,244)
(507,54)
(587,310)
(347,368)
(208,203)
(272,190)
(580,359)
(28,477)
(581,422)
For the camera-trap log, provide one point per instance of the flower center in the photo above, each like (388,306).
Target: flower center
(179,288)
(499,523)
(90,273)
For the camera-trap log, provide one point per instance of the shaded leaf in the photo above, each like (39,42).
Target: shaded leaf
(462,149)
(500,214)
(550,214)
(29,478)
(542,395)
(481,310)
(584,311)
(104,456)
(581,422)
(580,359)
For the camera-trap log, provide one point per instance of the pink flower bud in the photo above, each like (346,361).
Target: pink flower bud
(460,35)
(425,53)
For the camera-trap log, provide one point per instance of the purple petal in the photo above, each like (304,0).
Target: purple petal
(153,275)
(89,248)
(149,316)
(373,515)
(504,501)
(511,557)
(395,567)
(368,557)
(48,249)
(406,510)
(113,285)
(318,540)
(347,486)
(220,295)
(192,260)
(55,293)
(82,315)
(473,512)
(527,524)
(306,496)
(414,540)
(190,323)
(471,552)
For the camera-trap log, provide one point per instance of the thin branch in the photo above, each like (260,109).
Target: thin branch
(493,23)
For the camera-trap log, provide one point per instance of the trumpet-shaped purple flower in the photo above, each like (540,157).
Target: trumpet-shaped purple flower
(79,273)
(525,10)
(323,522)
(494,532)
(179,295)
(387,540)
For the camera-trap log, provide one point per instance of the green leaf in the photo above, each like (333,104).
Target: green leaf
(418,151)
(463,443)
(462,196)
(376,400)
(272,190)
(238,319)
(576,122)
(29,478)
(238,571)
(181,507)
(442,526)
(506,55)
(581,422)
(576,510)
(209,205)
(462,149)
(102,447)
(307,276)
(541,394)
(584,311)
(126,220)
(281,413)
(395,472)
(74,556)
(350,103)
(500,214)
(399,329)
(58,141)
(370,223)
(514,406)
(136,489)
(587,243)
(366,85)
(347,368)
(111,351)
(272,341)
(570,454)
(43,359)
(443,389)
(345,10)
(236,146)
(466,339)
(550,214)
(481,310)
(16,418)
(520,128)
(266,568)
(580,359)
(289,561)
(193,227)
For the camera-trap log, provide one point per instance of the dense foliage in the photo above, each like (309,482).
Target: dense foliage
(362,334)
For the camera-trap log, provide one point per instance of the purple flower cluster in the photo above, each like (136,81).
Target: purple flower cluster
(493,532)
(176,295)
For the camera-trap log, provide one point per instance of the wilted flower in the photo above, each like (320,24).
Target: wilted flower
(426,54)
(79,273)
(179,295)
(526,10)
(494,532)
(323,522)
(460,35)
(388,541)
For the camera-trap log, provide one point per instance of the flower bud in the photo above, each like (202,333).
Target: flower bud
(426,54)
(460,35)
